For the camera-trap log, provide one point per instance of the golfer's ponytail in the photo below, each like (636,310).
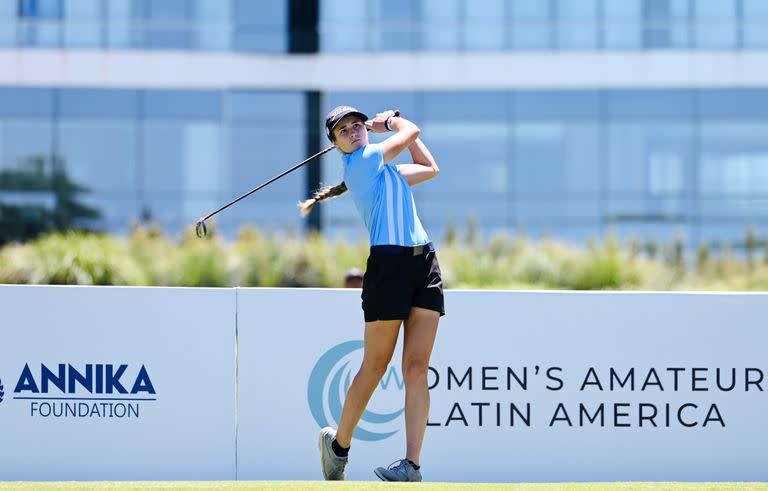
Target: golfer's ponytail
(325,192)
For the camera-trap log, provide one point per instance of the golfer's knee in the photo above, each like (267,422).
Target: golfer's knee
(375,367)
(415,372)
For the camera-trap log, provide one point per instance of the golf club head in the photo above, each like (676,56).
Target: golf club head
(200,229)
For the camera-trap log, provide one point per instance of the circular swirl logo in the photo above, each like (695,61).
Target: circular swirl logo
(329,382)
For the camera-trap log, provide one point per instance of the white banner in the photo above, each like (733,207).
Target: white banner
(117,383)
(526,387)
(139,383)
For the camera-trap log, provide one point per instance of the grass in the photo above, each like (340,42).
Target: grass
(375,486)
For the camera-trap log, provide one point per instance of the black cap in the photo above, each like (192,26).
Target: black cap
(337,114)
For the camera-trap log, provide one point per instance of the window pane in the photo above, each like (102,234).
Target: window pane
(481,145)
(267,107)
(120,32)
(183,157)
(116,212)
(261,39)
(44,9)
(682,31)
(26,145)
(392,23)
(214,19)
(537,105)
(162,157)
(734,158)
(740,104)
(100,155)
(531,25)
(262,12)
(343,25)
(467,132)
(261,25)
(258,154)
(83,23)
(666,24)
(168,37)
(40,22)
(189,104)
(485,27)
(716,23)
(755,23)
(170,10)
(622,24)
(440,29)
(40,32)
(8,10)
(556,158)
(183,172)
(577,24)
(650,104)
(26,102)
(93,103)
(8,17)
(7,33)
(649,156)
(474,106)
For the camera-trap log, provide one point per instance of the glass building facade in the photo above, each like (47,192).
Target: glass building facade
(389,25)
(160,155)
(220,25)
(571,163)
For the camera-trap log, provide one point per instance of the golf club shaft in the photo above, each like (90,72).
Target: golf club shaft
(321,152)
(318,154)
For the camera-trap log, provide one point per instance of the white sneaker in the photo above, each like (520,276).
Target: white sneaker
(333,465)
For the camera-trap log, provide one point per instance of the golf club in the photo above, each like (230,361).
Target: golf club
(201,230)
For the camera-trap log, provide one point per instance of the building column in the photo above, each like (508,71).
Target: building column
(303,38)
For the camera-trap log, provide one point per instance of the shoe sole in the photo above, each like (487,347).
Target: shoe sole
(320,447)
(376,471)
(378,474)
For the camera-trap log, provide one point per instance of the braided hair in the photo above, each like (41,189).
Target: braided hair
(325,192)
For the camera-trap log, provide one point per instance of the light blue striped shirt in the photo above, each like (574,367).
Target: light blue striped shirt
(383,198)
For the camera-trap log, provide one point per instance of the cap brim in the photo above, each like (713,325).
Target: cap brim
(351,113)
(342,116)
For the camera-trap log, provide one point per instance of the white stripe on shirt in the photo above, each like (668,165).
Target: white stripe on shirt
(400,221)
(390,214)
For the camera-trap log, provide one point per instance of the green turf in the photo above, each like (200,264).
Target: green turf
(377,486)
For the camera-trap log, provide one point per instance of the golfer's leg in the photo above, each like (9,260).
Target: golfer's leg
(380,340)
(420,332)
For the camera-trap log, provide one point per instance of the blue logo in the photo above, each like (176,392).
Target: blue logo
(325,389)
(98,378)
(93,390)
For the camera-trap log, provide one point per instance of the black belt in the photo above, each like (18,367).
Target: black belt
(403,250)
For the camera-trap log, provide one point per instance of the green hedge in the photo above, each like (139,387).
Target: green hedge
(149,257)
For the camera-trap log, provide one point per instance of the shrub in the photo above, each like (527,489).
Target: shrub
(150,257)
(72,258)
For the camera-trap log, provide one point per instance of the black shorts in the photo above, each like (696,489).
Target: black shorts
(398,278)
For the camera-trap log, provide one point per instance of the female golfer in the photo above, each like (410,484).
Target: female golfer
(402,282)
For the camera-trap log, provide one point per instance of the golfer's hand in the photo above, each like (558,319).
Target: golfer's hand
(378,124)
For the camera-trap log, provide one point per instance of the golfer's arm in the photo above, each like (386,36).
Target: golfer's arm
(423,167)
(405,134)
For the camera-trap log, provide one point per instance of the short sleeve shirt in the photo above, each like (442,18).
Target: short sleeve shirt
(383,198)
